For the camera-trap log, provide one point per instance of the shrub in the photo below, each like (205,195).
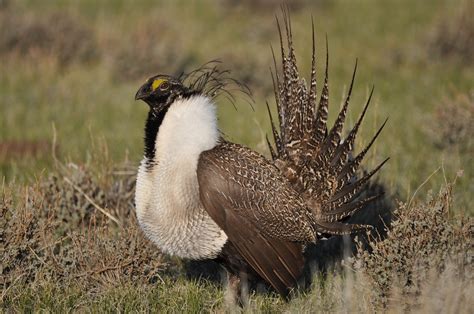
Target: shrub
(57,35)
(150,48)
(423,244)
(55,232)
(74,234)
(454,35)
(453,123)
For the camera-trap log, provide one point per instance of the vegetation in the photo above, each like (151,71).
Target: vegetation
(71,139)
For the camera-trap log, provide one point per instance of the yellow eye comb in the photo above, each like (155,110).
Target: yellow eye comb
(157,83)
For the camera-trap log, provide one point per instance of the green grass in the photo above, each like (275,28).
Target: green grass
(188,296)
(93,100)
(87,105)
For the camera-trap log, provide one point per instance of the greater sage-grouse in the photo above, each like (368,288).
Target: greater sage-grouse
(199,196)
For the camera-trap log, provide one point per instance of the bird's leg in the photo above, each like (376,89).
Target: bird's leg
(233,294)
(234,291)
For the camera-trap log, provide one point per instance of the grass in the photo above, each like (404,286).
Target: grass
(93,98)
(61,253)
(79,99)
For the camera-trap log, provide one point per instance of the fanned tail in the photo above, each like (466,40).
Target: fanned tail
(317,161)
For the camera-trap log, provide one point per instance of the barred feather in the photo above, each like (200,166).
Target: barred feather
(346,210)
(311,102)
(348,171)
(342,152)
(347,192)
(314,160)
(322,113)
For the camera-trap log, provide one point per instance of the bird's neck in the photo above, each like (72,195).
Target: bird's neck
(152,127)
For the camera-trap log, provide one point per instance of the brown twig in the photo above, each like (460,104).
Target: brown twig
(90,200)
(104,269)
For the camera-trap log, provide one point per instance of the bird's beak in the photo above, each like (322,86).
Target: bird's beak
(141,93)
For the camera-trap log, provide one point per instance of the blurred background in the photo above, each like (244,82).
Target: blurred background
(70,69)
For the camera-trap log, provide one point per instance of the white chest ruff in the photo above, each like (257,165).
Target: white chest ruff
(167,195)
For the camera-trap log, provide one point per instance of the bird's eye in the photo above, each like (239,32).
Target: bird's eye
(164,86)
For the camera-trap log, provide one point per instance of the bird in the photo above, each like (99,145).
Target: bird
(200,196)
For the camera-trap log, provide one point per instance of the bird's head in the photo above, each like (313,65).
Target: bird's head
(160,91)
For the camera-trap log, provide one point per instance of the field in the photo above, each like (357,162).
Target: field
(71,137)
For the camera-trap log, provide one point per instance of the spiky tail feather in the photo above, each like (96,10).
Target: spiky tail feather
(314,160)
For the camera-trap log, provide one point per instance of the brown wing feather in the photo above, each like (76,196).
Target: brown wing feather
(254,187)
(280,262)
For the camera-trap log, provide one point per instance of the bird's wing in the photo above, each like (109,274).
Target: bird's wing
(256,190)
(246,197)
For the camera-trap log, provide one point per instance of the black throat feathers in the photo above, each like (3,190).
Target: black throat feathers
(152,126)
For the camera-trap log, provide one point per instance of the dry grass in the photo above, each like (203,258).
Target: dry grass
(11,149)
(59,237)
(453,36)
(53,232)
(58,35)
(154,47)
(453,123)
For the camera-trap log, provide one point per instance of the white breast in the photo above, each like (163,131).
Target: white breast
(167,195)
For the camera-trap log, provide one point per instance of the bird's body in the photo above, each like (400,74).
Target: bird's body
(187,152)
(199,196)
